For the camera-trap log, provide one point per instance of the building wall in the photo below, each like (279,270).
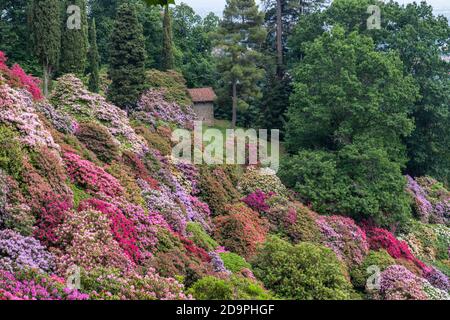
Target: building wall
(205,112)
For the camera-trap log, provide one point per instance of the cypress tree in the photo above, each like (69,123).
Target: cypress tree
(168,60)
(127,58)
(45,17)
(74,42)
(94,58)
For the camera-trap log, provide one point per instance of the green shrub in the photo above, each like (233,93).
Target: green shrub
(305,271)
(155,140)
(173,83)
(234,262)
(380,259)
(235,288)
(98,139)
(78,195)
(200,237)
(11,153)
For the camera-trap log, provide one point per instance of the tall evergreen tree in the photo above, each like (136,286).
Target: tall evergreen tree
(45,17)
(168,59)
(74,41)
(240,38)
(94,59)
(127,58)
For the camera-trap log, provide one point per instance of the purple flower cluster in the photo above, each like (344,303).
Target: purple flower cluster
(61,121)
(152,105)
(398,283)
(71,96)
(217,263)
(437,279)
(257,200)
(423,207)
(17,109)
(18,252)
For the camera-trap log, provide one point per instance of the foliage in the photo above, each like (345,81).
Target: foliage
(241,230)
(380,259)
(45,20)
(235,288)
(98,139)
(233,262)
(239,62)
(172,83)
(11,152)
(304,271)
(93,59)
(127,58)
(74,42)
(200,237)
(261,179)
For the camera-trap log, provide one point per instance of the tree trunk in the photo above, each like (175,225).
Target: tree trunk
(279,39)
(235,101)
(46,80)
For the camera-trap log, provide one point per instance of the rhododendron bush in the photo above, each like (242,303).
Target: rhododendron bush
(84,187)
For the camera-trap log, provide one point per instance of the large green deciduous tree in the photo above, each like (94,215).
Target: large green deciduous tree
(240,38)
(127,58)
(348,115)
(45,20)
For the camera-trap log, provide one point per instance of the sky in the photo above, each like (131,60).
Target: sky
(204,6)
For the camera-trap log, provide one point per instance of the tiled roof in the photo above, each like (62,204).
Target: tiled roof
(202,94)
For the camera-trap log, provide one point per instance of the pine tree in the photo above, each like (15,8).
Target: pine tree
(45,17)
(74,42)
(94,58)
(240,38)
(127,58)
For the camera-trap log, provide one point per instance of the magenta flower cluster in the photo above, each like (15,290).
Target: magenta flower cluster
(91,177)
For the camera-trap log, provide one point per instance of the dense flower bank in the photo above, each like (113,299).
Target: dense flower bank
(82,190)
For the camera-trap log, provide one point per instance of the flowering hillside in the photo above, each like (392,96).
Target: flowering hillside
(93,207)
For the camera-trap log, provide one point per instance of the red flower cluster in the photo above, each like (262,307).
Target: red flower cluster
(382,239)
(18,78)
(122,228)
(52,214)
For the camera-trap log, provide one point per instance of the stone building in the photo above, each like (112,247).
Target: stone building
(203,99)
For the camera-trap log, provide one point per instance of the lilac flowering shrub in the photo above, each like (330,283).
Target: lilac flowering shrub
(431,200)
(437,279)
(18,252)
(398,283)
(153,106)
(344,237)
(71,96)
(60,121)
(17,109)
